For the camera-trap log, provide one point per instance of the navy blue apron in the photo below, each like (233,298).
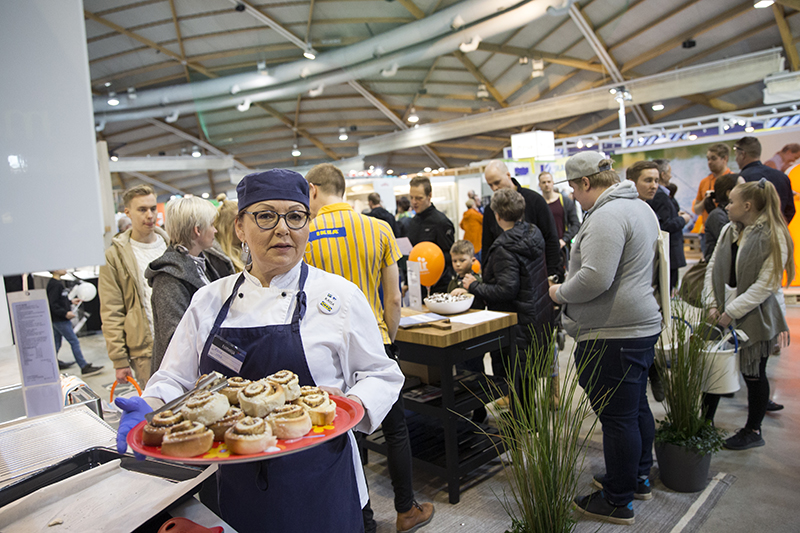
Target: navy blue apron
(313,490)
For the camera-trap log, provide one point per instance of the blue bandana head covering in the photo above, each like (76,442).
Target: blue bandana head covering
(275,184)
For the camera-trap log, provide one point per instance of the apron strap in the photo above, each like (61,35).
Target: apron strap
(222,314)
(300,308)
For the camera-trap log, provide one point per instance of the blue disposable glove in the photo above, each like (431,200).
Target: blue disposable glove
(133,411)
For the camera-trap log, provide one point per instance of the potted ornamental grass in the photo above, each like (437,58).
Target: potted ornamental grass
(542,438)
(684,439)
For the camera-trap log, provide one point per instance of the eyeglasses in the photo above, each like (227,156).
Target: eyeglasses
(269,219)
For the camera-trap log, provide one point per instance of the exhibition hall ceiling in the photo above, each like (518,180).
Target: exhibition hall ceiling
(378,62)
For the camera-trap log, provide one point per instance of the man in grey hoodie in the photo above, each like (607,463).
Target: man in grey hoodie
(610,308)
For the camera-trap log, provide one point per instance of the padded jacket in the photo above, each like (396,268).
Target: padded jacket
(515,279)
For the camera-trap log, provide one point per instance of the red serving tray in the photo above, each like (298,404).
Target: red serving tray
(348,414)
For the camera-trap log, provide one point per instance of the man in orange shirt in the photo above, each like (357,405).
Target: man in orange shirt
(717,157)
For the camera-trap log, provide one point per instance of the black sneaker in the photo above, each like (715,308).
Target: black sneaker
(90,370)
(643,490)
(62,365)
(744,440)
(596,505)
(772,406)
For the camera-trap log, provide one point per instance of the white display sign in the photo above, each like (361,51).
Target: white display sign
(36,351)
(537,144)
(414,286)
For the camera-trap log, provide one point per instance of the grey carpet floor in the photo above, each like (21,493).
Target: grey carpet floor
(480,511)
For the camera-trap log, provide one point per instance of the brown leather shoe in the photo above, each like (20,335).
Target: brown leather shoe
(418,516)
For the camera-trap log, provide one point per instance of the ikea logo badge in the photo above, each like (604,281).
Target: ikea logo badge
(327,233)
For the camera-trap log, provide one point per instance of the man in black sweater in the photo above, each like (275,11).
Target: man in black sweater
(536,212)
(431,225)
(377,211)
(748,155)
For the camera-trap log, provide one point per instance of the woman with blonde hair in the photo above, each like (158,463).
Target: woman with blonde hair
(226,236)
(741,288)
(190,262)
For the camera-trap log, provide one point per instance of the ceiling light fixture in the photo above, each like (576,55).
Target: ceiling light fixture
(309,52)
(114,157)
(112,99)
(692,137)
(390,171)
(262,67)
(205,195)
(412,117)
(131,93)
(342,134)
(538,68)
(391,71)
(426,169)
(196,151)
(107,84)
(761,4)
(295,150)
(749,128)
(482,92)
(313,93)
(658,106)
(579,144)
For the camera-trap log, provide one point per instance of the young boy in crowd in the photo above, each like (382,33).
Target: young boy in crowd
(61,314)
(462,257)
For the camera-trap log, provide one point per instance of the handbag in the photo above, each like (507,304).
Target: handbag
(691,289)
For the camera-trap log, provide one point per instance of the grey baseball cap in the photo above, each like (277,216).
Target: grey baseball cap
(584,164)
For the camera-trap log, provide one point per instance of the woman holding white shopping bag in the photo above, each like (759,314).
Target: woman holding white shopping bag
(741,285)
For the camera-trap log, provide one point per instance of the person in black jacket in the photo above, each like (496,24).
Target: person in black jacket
(748,155)
(536,212)
(377,211)
(671,220)
(515,276)
(61,314)
(431,225)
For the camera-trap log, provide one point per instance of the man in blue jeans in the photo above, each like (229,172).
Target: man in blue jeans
(610,309)
(61,314)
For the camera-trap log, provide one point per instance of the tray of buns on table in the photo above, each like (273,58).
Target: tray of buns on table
(236,420)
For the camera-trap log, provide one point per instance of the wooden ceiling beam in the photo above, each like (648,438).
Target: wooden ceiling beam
(678,10)
(700,29)
(786,37)
(722,46)
(470,66)
(300,131)
(116,27)
(550,58)
(412,8)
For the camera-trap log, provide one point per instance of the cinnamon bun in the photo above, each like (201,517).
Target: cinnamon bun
(289,381)
(205,407)
(289,421)
(260,397)
(187,439)
(319,405)
(235,384)
(154,431)
(219,427)
(249,435)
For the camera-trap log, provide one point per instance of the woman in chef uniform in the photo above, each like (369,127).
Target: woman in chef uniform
(282,314)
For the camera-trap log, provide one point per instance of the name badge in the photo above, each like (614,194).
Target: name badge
(330,304)
(226,353)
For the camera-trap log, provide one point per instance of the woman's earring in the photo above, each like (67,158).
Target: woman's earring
(245,253)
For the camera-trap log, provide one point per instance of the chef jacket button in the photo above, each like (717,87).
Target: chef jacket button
(283,294)
(241,295)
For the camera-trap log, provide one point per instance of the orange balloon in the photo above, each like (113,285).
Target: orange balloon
(476,266)
(431,262)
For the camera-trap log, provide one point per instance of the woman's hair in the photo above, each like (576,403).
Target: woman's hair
(765,200)
(604,178)
(470,202)
(723,186)
(226,233)
(184,214)
(508,204)
(404,203)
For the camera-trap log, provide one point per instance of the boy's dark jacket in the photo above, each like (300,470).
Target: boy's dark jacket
(57,298)
(515,278)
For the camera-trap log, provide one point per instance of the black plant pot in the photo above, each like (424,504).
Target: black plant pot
(682,469)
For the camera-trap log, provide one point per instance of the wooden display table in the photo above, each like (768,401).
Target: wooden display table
(440,437)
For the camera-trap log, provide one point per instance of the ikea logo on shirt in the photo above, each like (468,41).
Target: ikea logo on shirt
(327,233)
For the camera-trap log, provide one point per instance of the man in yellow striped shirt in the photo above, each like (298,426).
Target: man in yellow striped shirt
(363,250)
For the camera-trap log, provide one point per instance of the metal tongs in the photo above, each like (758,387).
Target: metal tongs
(211,382)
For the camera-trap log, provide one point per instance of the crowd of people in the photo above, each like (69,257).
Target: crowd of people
(254,272)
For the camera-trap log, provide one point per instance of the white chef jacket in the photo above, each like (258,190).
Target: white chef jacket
(343,345)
